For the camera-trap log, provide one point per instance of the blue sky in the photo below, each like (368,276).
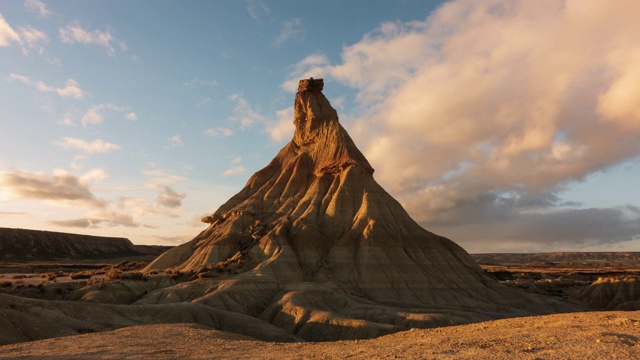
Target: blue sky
(504,125)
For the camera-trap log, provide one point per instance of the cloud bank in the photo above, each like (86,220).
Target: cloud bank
(58,187)
(482,113)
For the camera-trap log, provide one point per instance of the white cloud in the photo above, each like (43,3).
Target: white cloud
(282,128)
(218,132)
(175,140)
(7,34)
(33,38)
(71,89)
(94,114)
(66,120)
(244,113)
(315,65)
(488,102)
(292,30)
(239,170)
(74,33)
(236,160)
(95,146)
(38,7)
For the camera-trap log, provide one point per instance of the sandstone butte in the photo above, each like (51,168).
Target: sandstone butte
(311,249)
(315,246)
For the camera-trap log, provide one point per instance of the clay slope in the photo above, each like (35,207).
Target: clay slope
(35,245)
(611,294)
(314,245)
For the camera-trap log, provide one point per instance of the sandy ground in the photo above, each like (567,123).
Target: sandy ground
(592,335)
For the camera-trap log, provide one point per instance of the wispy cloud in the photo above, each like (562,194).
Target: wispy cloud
(94,114)
(7,34)
(175,140)
(32,38)
(71,89)
(99,219)
(243,112)
(159,178)
(316,65)
(76,163)
(203,102)
(57,187)
(218,132)
(257,9)
(238,170)
(292,31)
(196,82)
(93,147)
(506,110)
(74,33)
(37,7)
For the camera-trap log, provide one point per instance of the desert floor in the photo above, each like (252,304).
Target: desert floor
(589,335)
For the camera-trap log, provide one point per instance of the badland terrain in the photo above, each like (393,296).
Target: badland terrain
(312,249)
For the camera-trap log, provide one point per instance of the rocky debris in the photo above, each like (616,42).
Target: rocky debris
(34,245)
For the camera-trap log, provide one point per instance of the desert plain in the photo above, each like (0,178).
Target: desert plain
(591,334)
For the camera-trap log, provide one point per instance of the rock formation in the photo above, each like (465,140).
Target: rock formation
(35,245)
(314,245)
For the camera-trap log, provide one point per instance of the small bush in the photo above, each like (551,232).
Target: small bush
(113,274)
(20,276)
(5,283)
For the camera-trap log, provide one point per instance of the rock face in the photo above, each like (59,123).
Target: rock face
(314,245)
(35,245)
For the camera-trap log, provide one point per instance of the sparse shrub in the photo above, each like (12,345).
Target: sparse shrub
(51,276)
(20,276)
(6,283)
(113,274)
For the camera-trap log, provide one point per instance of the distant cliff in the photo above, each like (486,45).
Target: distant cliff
(36,245)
